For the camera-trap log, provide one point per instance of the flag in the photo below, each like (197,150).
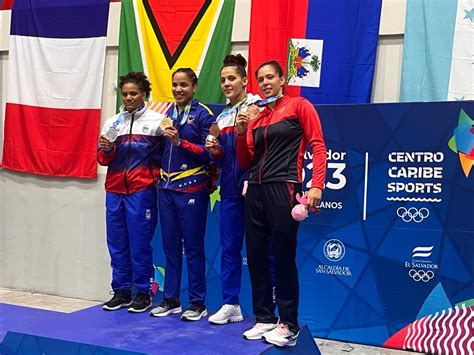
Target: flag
(328,47)
(438,56)
(6,4)
(160,36)
(56,70)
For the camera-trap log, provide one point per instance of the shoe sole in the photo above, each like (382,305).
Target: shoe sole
(164,314)
(234,319)
(252,338)
(133,310)
(116,308)
(280,345)
(196,318)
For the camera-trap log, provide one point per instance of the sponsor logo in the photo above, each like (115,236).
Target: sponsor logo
(334,250)
(145,129)
(191,202)
(412,214)
(462,142)
(421,268)
(421,275)
(184,167)
(422,252)
(148,214)
(244,261)
(415,176)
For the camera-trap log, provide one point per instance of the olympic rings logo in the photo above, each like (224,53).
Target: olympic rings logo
(421,275)
(413,214)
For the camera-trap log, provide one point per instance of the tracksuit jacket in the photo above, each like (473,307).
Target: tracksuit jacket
(131,197)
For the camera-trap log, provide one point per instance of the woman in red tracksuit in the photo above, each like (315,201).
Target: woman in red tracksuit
(272,146)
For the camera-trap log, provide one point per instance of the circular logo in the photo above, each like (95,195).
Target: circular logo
(334,250)
(413,214)
(421,275)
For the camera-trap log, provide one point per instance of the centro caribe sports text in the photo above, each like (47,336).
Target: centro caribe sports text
(420,168)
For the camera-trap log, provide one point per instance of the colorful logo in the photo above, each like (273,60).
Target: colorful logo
(304,62)
(159,281)
(462,142)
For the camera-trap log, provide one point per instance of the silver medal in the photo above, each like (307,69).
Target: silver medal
(112,135)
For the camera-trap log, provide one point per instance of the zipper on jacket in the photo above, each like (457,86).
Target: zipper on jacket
(264,155)
(169,166)
(128,153)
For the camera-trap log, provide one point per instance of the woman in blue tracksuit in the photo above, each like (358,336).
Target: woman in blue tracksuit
(233,85)
(184,197)
(131,148)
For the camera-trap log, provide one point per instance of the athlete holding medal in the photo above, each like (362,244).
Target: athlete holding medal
(221,144)
(131,146)
(272,146)
(184,197)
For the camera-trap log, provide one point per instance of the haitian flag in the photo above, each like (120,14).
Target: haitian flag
(438,51)
(56,70)
(160,36)
(329,47)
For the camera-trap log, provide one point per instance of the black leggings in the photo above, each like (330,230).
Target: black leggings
(270,229)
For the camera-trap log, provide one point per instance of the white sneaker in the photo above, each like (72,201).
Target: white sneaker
(258,330)
(281,336)
(228,313)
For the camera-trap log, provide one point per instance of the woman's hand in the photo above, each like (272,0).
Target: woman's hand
(105,143)
(172,134)
(242,122)
(212,147)
(314,197)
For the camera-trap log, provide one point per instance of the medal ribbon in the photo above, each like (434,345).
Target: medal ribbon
(264,102)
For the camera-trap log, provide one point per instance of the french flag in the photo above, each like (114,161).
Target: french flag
(56,70)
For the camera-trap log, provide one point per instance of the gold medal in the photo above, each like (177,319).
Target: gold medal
(165,123)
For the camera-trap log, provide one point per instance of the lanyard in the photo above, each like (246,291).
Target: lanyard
(185,114)
(264,102)
(232,109)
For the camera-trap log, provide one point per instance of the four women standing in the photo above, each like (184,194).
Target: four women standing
(269,146)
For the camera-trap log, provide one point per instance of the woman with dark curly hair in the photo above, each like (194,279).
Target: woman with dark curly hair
(131,146)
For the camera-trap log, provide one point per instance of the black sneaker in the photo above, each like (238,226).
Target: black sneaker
(195,312)
(122,298)
(167,306)
(141,303)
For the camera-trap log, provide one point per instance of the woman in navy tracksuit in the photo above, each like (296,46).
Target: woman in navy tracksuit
(184,197)
(233,85)
(131,147)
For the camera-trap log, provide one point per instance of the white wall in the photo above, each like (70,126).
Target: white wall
(52,231)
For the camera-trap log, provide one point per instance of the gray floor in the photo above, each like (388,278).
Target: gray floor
(68,305)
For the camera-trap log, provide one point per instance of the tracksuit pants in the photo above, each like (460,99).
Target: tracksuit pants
(131,221)
(183,221)
(270,229)
(232,238)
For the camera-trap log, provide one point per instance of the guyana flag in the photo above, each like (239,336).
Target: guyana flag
(160,36)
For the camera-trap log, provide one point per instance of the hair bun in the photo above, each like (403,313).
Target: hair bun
(236,59)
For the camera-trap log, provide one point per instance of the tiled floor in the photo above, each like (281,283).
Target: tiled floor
(69,305)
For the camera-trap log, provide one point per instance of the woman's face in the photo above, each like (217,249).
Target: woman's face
(183,89)
(233,84)
(270,82)
(132,96)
